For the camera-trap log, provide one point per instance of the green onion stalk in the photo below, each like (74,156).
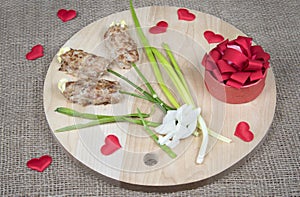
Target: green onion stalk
(155,137)
(102,119)
(152,59)
(178,80)
(149,96)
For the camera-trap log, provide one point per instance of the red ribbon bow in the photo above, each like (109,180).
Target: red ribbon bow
(237,63)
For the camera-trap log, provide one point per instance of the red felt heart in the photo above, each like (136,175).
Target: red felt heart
(66,15)
(242,131)
(111,145)
(211,37)
(160,27)
(184,14)
(39,164)
(36,52)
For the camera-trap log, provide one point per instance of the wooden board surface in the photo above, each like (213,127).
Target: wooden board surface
(129,165)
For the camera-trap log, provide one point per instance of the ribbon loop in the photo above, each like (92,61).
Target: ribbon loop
(236,57)
(254,65)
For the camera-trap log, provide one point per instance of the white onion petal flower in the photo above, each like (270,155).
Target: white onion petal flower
(178,124)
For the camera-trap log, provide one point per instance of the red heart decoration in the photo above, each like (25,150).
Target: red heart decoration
(66,15)
(211,37)
(184,14)
(160,27)
(111,145)
(36,52)
(242,131)
(39,164)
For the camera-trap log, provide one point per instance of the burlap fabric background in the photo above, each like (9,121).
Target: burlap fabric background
(272,171)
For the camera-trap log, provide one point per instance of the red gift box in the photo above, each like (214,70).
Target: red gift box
(235,71)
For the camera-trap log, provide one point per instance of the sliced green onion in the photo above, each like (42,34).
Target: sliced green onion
(74,113)
(154,94)
(144,79)
(101,119)
(152,59)
(176,66)
(150,97)
(86,125)
(219,136)
(129,82)
(137,95)
(105,121)
(175,79)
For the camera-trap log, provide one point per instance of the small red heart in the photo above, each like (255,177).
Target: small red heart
(211,37)
(39,164)
(184,14)
(36,52)
(160,27)
(66,15)
(111,145)
(242,131)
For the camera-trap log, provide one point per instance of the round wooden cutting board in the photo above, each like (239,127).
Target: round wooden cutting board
(139,163)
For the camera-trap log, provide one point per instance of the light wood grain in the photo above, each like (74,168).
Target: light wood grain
(127,165)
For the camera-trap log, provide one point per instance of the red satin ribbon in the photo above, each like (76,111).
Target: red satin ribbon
(237,63)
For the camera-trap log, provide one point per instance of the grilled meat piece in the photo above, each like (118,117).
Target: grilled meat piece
(122,46)
(83,65)
(87,92)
